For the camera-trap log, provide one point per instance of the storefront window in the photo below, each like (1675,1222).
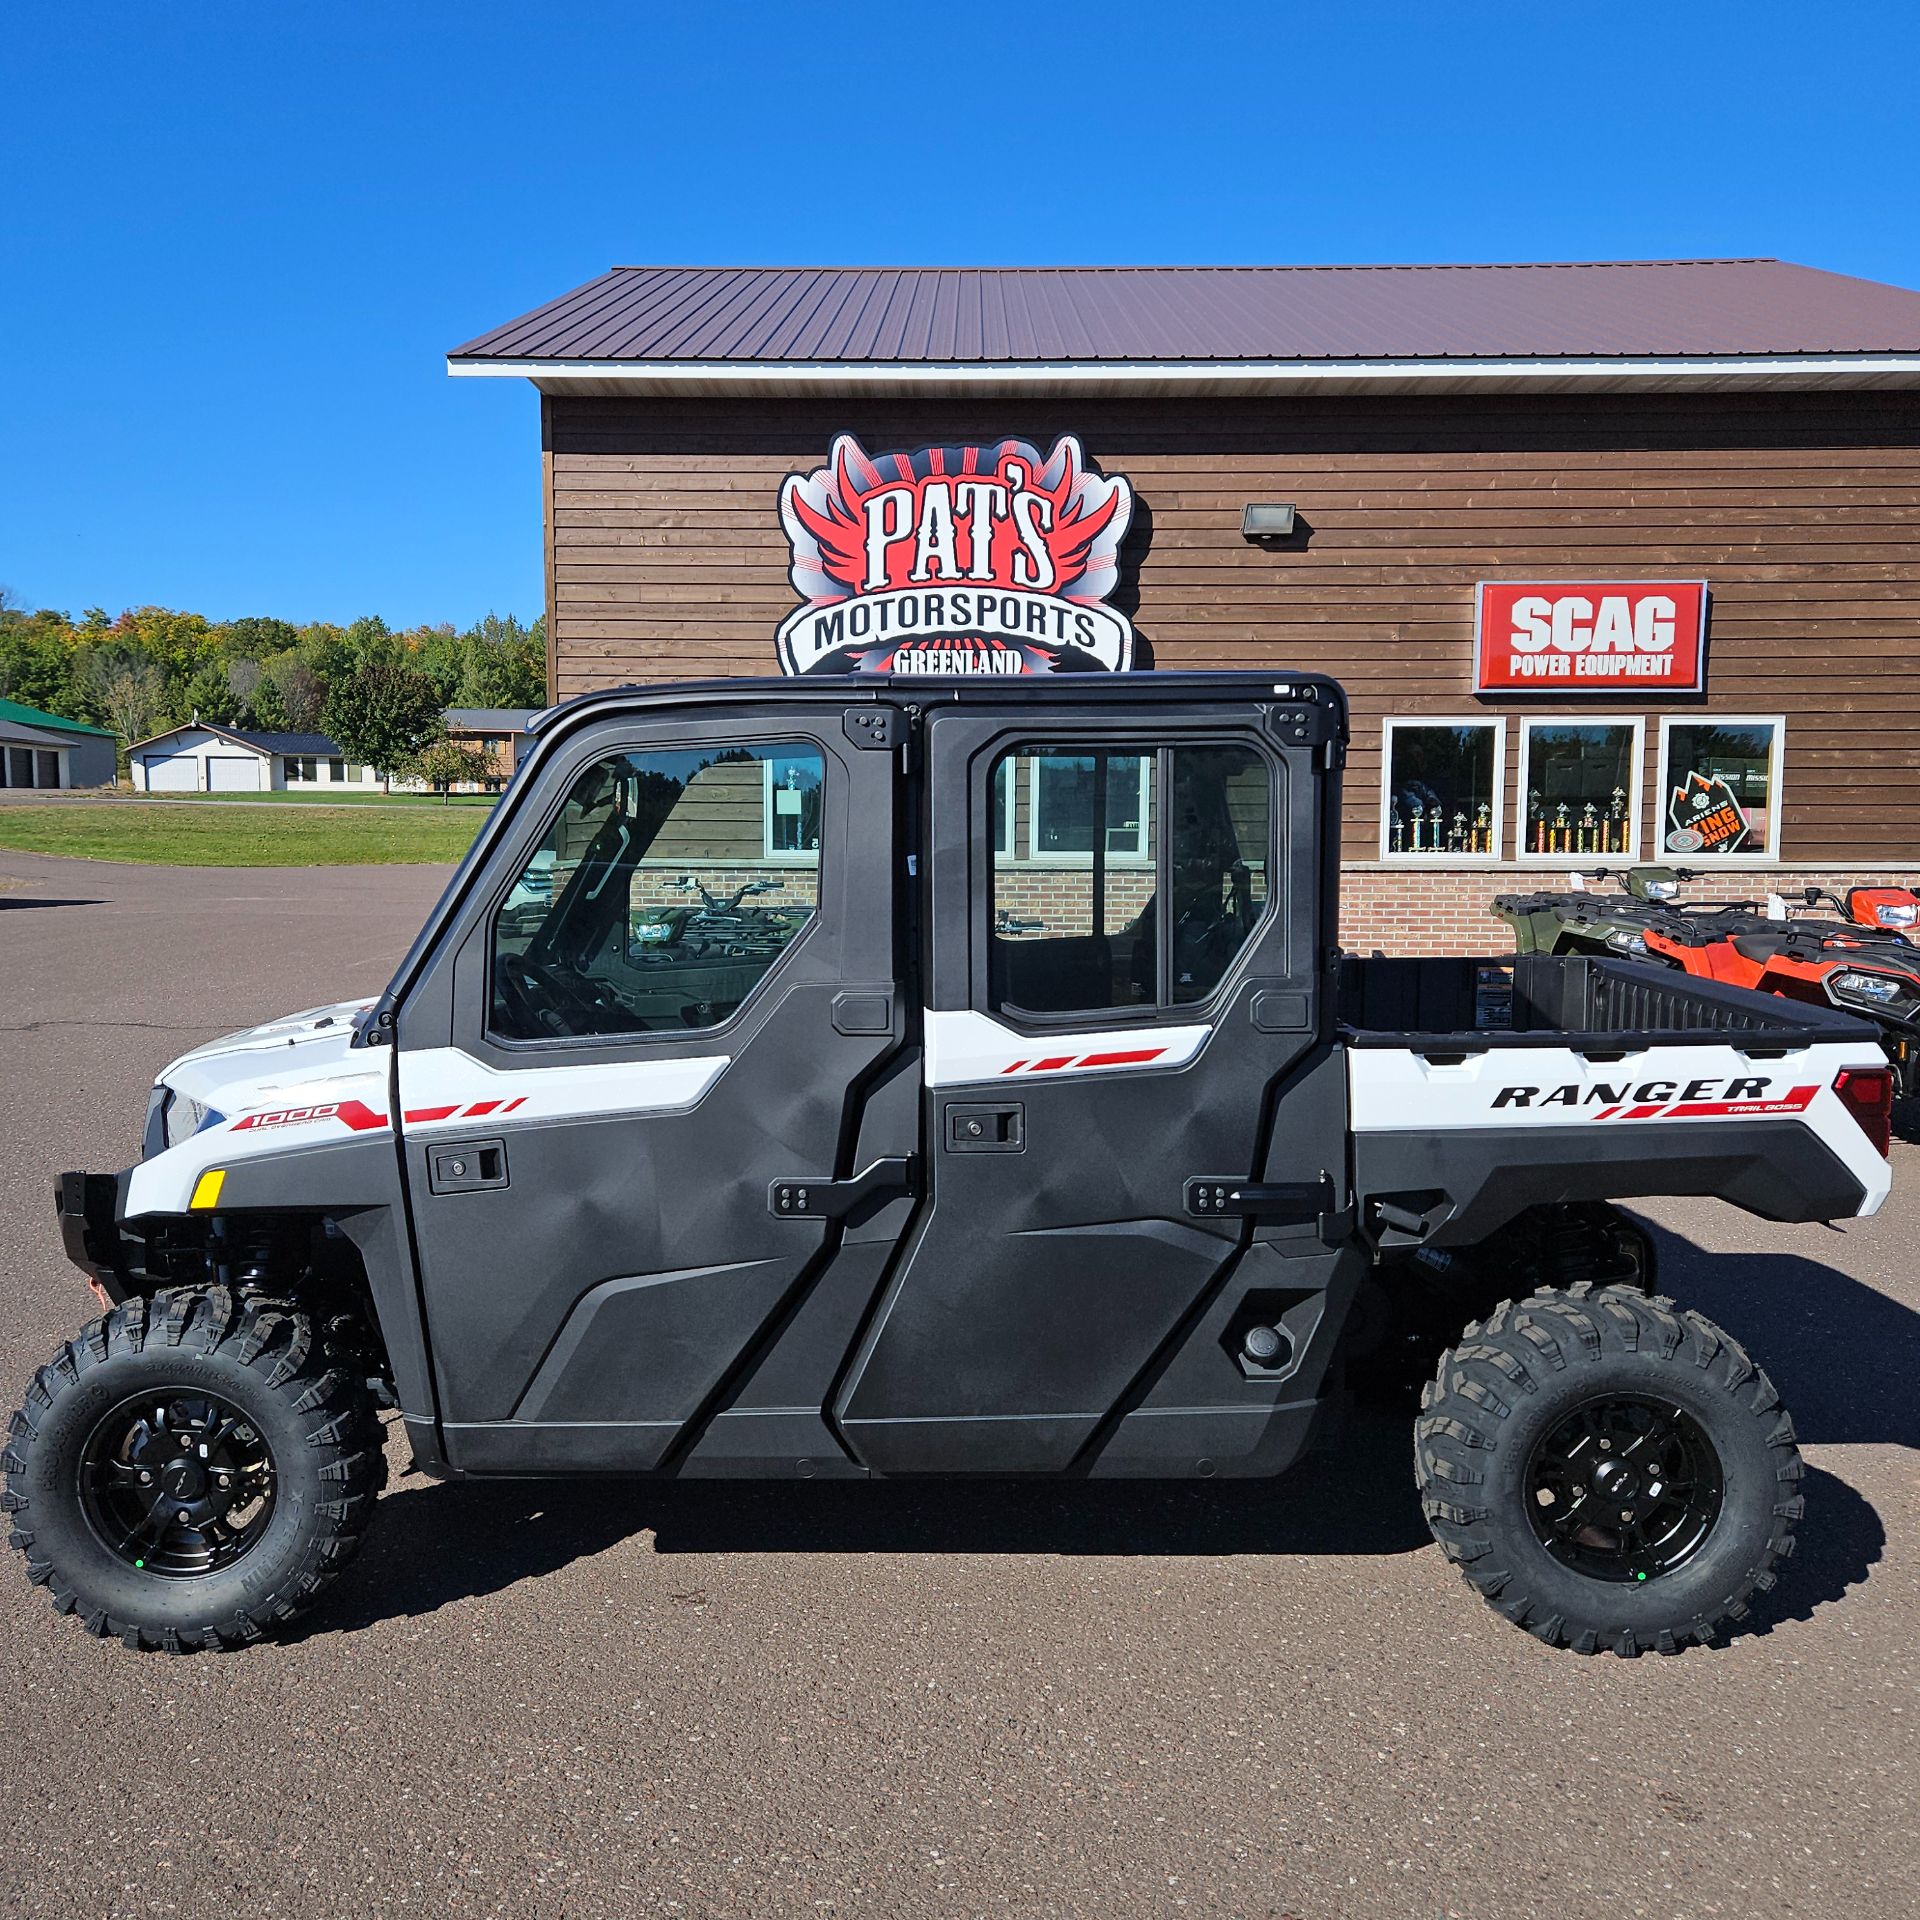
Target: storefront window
(1442,797)
(1064,803)
(1720,788)
(1579,788)
(793,803)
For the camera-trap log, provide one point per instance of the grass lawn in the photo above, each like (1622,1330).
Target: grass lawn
(222,836)
(333,797)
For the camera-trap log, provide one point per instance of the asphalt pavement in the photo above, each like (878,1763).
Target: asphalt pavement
(620,1699)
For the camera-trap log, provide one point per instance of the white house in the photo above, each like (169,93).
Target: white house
(203,758)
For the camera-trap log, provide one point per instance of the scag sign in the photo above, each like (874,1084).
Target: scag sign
(964,559)
(1564,637)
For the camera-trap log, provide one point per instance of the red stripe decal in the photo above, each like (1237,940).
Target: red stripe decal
(1605,1111)
(1015,1068)
(479,1107)
(511,1104)
(1122,1059)
(1054,1065)
(415,1114)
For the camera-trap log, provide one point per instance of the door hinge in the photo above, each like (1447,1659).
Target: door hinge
(874,726)
(891,1178)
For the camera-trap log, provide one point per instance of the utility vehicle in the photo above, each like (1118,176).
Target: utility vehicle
(1039,1128)
(1857,964)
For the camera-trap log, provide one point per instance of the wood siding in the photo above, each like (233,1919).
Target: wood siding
(666,557)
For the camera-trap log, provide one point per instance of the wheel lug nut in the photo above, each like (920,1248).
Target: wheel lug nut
(146,1479)
(1626,1513)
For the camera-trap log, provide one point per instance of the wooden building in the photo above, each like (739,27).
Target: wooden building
(1615,561)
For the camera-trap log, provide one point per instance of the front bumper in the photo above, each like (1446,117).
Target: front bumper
(90,1206)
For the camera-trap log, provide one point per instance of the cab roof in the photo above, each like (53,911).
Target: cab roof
(938,690)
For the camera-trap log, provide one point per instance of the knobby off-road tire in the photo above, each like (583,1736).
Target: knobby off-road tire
(1491,1455)
(123,1410)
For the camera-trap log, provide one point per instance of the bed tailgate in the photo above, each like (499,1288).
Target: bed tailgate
(1452,1137)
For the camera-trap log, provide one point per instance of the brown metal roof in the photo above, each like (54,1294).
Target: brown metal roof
(1048,315)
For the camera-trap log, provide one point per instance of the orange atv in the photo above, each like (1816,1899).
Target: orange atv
(1827,964)
(1893,910)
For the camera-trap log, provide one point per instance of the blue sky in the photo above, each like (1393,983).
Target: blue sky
(238,240)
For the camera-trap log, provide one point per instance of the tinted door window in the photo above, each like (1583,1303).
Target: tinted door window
(1076,911)
(653,902)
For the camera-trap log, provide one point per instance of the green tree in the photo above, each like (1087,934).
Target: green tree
(208,694)
(383,713)
(447,763)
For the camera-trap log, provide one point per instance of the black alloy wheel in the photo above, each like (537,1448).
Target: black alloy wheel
(1624,1487)
(1609,1471)
(177,1484)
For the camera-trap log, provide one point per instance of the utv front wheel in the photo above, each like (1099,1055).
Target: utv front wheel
(1608,1472)
(190,1471)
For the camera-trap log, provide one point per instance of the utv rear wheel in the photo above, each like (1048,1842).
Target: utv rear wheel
(190,1471)
(1611,1474)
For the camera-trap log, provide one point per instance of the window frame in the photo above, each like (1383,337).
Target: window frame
(1776,768)
(1150,748)
(1497,826)
(484,927)
(1636,789)
(1144,857)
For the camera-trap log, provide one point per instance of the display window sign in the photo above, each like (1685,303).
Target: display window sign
(1720,788)
(993,559)
(1564,636)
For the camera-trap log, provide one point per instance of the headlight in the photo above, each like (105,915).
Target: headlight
(1661,889)
(1896,916)
(185,1118)
(1880,992)
(1622,941)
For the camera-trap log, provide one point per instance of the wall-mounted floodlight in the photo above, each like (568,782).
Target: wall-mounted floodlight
(1266,520)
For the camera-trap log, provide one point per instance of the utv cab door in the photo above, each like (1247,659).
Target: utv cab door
(658,1030)
(1125,925)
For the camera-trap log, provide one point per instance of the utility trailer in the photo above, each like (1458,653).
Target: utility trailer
(1005,1107)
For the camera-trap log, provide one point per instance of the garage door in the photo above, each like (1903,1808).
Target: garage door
(173,773)
(233,773)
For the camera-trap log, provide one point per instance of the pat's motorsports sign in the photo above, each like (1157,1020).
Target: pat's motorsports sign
(1566,636)
(962,559)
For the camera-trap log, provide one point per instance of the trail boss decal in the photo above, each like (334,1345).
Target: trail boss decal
(992,559)
(1663,1099)
(1704,817)
(1564,637)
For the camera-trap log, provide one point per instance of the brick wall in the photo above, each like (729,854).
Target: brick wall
(1391,910)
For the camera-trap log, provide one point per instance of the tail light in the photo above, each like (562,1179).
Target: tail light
(1867,1094)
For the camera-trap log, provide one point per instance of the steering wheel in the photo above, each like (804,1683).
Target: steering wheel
(539,999)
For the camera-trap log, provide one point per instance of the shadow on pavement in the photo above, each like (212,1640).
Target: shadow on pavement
(1836,1547)
(8,901)
(1843,1355)
(433,1544)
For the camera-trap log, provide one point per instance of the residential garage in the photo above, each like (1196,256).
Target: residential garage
(202,758)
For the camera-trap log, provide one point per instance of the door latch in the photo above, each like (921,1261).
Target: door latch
(469,1167)
(887,1179)
(1285,1203)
